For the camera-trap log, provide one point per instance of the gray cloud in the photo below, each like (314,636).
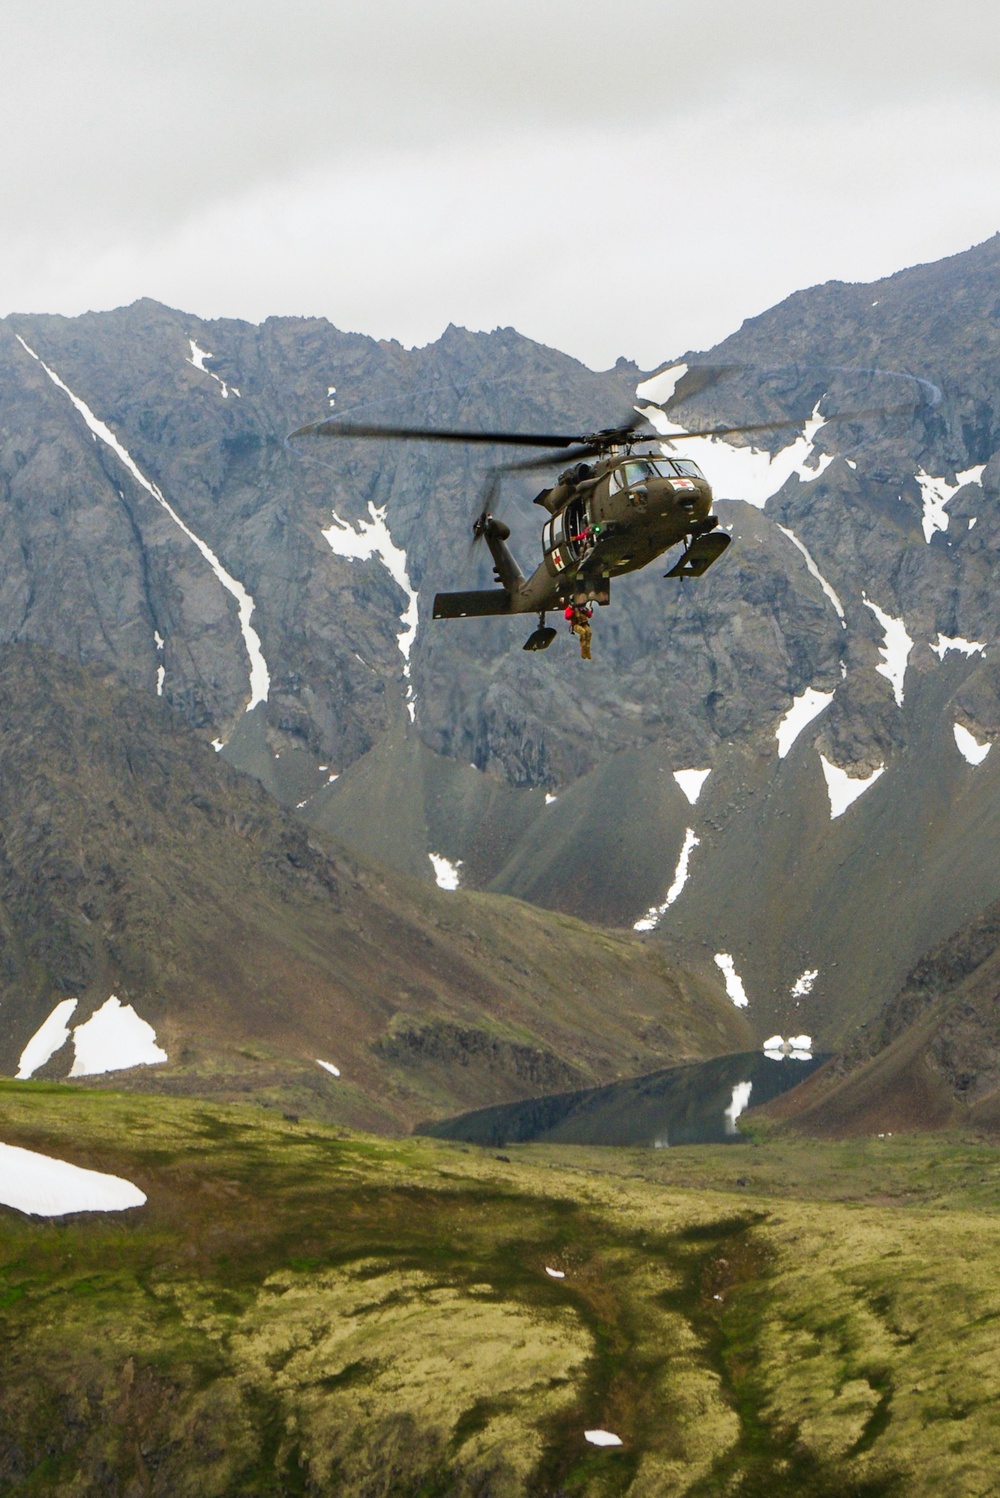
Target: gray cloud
(615,178)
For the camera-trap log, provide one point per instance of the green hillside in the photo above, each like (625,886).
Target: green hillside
(299,1310)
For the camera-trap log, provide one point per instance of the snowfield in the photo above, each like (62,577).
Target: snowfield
(44,1187)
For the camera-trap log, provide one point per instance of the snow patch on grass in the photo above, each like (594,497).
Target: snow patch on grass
(113,1039)
(51,1034)
(602,1438)
(329,1066)
(43,1187)
(445,871)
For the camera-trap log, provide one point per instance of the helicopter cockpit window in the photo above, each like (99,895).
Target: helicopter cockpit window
(617,480)
(688,468)
(638,470)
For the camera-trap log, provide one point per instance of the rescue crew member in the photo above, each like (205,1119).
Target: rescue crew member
(578,617)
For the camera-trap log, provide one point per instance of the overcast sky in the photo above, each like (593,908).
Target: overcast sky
(609,176)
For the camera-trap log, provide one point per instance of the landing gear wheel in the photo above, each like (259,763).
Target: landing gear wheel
(541,638)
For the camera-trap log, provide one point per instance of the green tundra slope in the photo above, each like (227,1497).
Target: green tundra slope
(299,1310)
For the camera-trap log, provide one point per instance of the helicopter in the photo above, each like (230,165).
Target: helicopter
(612,510)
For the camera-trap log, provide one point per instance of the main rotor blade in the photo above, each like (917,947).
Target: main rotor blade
(436,434)
(773,426)
(590,446)
(551,460)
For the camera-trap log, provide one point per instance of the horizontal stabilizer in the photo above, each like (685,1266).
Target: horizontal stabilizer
(471,605)
(700,555)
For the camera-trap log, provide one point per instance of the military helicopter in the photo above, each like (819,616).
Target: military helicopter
(612,510)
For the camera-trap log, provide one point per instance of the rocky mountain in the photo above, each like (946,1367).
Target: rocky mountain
(157,523)
(162,918)
(929,1060)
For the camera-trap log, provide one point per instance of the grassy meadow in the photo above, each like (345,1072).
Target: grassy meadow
(298,1310)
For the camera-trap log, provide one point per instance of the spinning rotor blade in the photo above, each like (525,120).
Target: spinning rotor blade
(589,447)
(773,426)
(488,498)
(436,434)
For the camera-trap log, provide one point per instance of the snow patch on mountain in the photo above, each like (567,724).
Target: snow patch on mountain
(807,706)
(260,680)
(372,539)
(691,782)
(969,746)
(798,1047)
(198,357)
(445,871)
(894,652)
(937,493)
(804,984)
(844,789)
(944,643)
(814,571)
(651,919)
(734,983)
(51,1034)
(746,473)
(329,1066)
(113,1039)
(44,1187)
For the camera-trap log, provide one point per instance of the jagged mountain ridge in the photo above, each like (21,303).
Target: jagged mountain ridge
(700,676)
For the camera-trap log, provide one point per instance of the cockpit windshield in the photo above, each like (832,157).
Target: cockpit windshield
(638,469)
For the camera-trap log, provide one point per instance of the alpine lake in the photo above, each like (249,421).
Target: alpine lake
(695,1104)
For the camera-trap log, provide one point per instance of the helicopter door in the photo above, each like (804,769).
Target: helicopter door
(554,544)
(574,522)
(560,535)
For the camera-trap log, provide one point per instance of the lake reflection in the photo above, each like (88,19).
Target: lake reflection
(697,1104)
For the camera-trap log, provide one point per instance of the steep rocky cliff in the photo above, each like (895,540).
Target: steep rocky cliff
(157,522)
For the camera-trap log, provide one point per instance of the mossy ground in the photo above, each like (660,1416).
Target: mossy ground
(300,1311)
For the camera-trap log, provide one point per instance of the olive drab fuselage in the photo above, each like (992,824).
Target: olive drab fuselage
(616,517)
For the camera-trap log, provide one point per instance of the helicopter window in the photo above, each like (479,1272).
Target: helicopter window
(687,467)
(638,470)
(617,480)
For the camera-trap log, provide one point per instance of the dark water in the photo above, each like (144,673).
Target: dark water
(680,1105)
